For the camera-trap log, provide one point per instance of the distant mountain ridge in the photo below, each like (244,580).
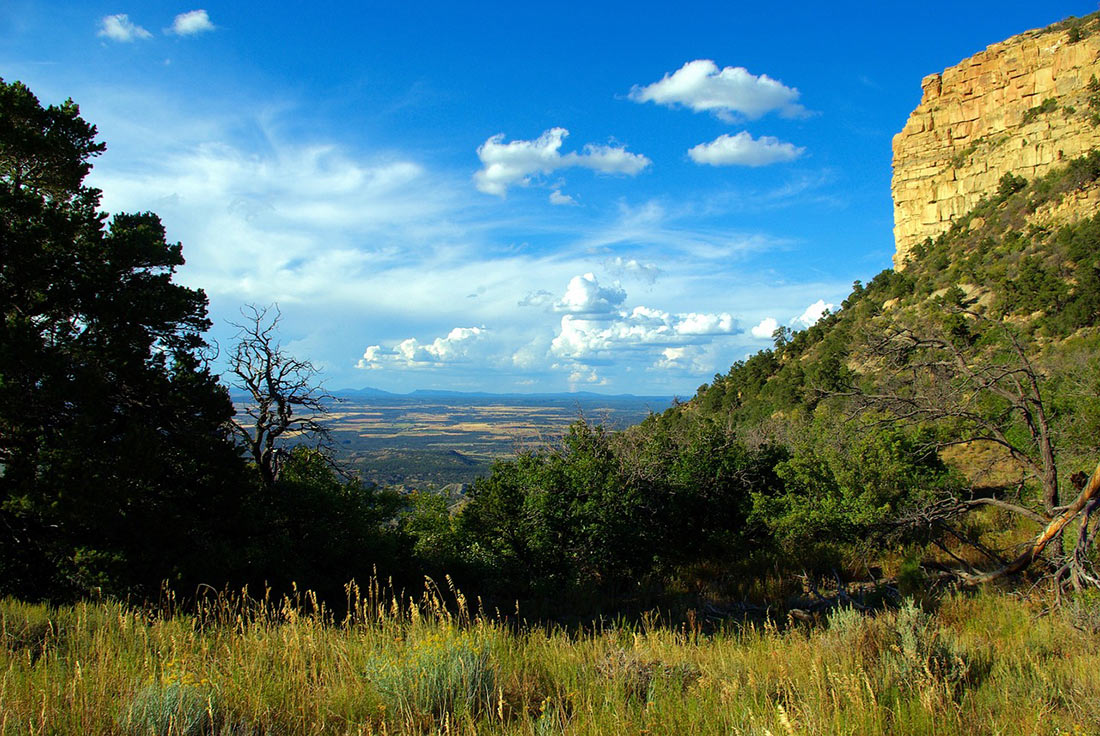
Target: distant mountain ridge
(587,397)
(444,393)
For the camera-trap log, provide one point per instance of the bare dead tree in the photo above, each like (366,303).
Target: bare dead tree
(932,377)
(1077,567)
(285,398)
(974,378)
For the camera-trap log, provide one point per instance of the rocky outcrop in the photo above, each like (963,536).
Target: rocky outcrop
(1022,106)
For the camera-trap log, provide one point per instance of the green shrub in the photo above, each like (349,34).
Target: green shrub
(1082,611)
(1048,105)
(911,577)
(28,628)
(920,654)
(444,672)
(1009,185)
(175,708)
(639,678)
(844,621)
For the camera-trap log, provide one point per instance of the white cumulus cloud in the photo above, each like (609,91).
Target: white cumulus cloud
(702,86)
(686,357)
(505,164)
(672,358)
(121,28)
(595,327)
(461,345)
(191,23)
(764,330)
(744,150)
(813,313)
(705,324)
(585,375)
(585,297)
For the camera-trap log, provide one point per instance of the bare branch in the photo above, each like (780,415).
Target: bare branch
(285,397)
(1085,499)
(1020,510)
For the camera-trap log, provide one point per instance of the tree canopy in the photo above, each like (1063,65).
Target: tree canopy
(112,426)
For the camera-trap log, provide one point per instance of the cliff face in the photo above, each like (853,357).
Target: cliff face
(1022,106)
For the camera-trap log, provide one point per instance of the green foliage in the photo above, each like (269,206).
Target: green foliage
(317,527)
(1078,29)
(117,471)
(111,424)
(961,158)
(442,672)
(174,709)
(608,511)
(843,482)
(1010,184)
(1046,106)
(437,538)
(912,580)
(920,652)
(562,518)
(45,151)
(1035,288)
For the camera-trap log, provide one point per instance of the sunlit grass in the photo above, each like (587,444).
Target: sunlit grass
(989,664)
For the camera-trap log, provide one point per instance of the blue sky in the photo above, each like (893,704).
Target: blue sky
(613,197)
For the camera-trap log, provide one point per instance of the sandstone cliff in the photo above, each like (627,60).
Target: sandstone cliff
(1021,106)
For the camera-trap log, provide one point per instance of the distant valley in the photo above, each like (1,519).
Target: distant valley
(438,438)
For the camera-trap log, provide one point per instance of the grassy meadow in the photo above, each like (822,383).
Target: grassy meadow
(984,664)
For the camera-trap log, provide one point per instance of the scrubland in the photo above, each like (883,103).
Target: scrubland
(991,663)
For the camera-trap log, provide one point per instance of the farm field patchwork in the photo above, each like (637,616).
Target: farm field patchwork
(437,440)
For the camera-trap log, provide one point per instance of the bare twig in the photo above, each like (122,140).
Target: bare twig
(285,398)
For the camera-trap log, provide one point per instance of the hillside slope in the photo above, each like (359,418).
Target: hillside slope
(945,415)
(978,352)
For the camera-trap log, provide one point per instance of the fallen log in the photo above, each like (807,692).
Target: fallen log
(1090,492)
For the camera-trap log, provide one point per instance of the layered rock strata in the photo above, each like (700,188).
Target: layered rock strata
(1022,106)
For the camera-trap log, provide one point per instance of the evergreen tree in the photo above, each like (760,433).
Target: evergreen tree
(115,465)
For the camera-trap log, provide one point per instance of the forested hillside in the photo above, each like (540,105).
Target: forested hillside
(946,413)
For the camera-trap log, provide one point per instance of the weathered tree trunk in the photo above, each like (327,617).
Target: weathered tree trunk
(1053,531)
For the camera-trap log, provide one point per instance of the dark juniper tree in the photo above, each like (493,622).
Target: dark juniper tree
(116,471)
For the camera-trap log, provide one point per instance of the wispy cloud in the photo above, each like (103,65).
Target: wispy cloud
(556,197)
(537,298)
(673,231)
(191,23)
(120,28)
(620,266)
(517,162)
(744,150)
(701,86)
(381,249)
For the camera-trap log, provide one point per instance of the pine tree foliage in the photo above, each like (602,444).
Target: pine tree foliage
(114,457)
